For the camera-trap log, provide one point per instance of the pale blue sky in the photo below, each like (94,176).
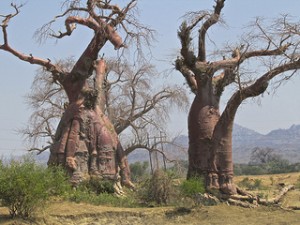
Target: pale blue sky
(276,111)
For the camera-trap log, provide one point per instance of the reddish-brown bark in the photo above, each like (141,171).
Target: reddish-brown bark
(86,142)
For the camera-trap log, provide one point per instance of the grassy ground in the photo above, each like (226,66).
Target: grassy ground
(58,212)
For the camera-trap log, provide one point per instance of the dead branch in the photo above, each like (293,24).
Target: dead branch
(277,199)
(55,70)
(293,207)
(241,203)
(46,63)
(148,106)
(150,149)
(39,150)
(247,200)
(8,17)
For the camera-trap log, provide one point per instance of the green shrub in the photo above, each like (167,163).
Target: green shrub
(97,186)
(101,199)
(193,189)
(97,191)
(192,186)
(25,186)
(139,170)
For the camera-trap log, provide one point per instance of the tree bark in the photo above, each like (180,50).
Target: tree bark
(203,117)
(86,143)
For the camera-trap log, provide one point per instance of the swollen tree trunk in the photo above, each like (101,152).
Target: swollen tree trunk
(210,145)
(221,164)
(86,143)
(203,116)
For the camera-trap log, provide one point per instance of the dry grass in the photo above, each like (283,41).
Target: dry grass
(84,214)
(271,184)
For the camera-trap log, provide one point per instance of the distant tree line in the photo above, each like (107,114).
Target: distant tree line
(262,161)
(265,161)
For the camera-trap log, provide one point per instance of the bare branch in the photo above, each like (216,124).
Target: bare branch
(8,17)
(55,70)
(188,75)
(255,89)
(206,25)
(39,150)
(70,25)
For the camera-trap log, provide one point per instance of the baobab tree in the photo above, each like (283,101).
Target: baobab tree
(132,102)
(85,142)
(271,51)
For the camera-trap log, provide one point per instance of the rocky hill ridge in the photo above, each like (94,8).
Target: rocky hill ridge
(285,142)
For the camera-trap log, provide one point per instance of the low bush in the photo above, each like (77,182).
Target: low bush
(156,189)
(97,186)
(139,170)
(102,199)
(25,186)
(97,191)
(192,186)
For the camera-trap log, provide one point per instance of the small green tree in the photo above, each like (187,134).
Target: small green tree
(25,186)
(138,170)
(96,186)
(192,187)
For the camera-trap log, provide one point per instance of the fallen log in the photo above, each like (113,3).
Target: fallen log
(277,198)
(241,203)
(293,207)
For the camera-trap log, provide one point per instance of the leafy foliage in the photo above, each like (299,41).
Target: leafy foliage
(97,191)
(97,186)
(101,199)
(192,186)
(25,186)
(139,170)
(265,161)
(275,167)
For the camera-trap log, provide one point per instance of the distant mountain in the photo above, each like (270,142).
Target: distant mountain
(242,136)
(285,142)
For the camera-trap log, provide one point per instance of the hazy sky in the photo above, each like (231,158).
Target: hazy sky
(280,110)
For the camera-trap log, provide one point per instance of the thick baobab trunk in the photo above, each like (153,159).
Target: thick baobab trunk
(203,116)
(221,158)
(210,142)
(86,143)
